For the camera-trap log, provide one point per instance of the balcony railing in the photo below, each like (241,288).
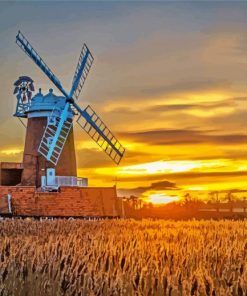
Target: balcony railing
(58,181)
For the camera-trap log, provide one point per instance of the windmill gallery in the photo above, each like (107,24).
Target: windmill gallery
(46,182)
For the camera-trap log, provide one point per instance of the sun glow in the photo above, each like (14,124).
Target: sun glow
(11,151)
(161,198)
(161,167)
(158,167)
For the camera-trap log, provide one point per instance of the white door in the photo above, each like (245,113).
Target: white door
(50,177)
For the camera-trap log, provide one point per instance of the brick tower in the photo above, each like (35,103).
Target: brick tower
(34,164)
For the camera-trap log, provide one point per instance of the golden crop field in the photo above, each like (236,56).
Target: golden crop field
(123,257)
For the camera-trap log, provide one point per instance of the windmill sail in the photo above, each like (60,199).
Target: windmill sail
(84,64)
(57,131)
(55,135)
(32,53)
(98,131)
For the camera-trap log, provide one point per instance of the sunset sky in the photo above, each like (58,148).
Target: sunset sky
(169,79)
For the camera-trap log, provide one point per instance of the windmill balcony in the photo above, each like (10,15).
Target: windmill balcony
(57,181)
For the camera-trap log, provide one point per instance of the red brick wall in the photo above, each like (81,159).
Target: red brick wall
(69,201)
(4,209)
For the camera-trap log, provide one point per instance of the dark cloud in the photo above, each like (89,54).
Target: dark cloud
(159,185)
(187,86)
(134,112)
(172,107)
(184,107)
(185,177)
(241,99)
(236,120)
(181,137)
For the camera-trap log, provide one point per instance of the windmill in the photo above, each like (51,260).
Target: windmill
(49,139)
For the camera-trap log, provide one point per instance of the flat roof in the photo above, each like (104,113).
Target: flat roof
(11,165)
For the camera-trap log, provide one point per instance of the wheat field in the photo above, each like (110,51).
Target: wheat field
(123,257)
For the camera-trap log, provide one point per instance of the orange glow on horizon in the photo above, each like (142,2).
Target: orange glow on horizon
(178,166)
(160,198)
(11,151)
